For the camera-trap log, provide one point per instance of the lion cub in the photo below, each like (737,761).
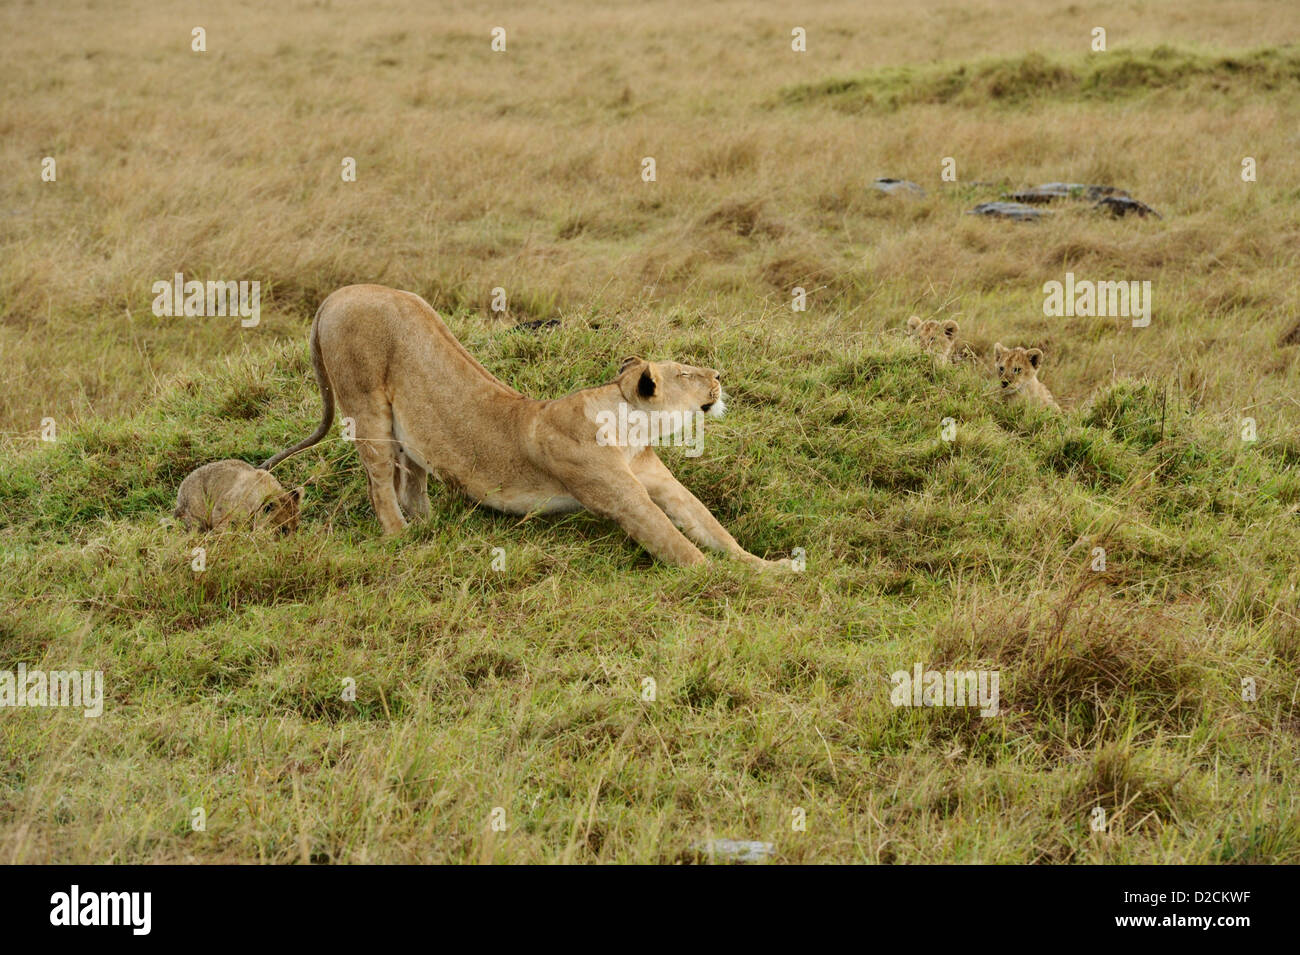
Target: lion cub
(935,337)
(1018,375)
(233,492)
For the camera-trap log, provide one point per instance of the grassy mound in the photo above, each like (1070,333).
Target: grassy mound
(523,688)
(1033,77)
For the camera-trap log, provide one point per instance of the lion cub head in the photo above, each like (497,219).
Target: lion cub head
(280,513)
(671,386)
(1017,368)
(933,336)
(232,492)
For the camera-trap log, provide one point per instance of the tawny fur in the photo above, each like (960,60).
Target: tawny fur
(934,336)
(422,404)
(231,492)
(1017,370)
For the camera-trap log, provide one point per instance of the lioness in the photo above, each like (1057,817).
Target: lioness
(934,336)
(421,403)
(1018,374)
(229,492)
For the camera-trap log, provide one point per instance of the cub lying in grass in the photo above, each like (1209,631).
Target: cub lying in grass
(423,405)
(230,492)
(1018,374)
(935,337)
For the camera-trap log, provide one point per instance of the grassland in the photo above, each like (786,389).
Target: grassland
(521,688)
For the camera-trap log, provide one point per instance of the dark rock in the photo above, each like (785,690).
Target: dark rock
(1008,210)
(1292,337)
(1123,205)
(896,187)
(1051,191)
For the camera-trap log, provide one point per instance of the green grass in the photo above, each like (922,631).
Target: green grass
(1017,81)
(522,688)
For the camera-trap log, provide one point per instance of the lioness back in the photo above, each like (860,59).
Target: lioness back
(399,373)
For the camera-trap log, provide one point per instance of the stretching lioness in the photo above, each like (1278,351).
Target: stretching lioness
(934,336)
(228,492)
(1018,374)
(421,403)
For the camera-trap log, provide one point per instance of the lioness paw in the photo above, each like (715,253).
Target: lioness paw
(784,564)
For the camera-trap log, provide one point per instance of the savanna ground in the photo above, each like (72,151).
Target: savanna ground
(521,688)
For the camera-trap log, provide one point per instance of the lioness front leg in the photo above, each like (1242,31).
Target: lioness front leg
(378,450)
(688,512)
(412,487)
(621,497)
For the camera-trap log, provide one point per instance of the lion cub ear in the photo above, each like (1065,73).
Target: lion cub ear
(1035,356)
(997,350)
(913,324)
(950,328)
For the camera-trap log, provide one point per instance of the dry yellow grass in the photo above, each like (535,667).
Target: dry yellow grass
(520,170)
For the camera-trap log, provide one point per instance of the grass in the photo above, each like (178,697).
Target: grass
(1033,77)
(523,689)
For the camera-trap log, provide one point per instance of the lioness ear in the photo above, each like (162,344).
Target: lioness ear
(950,328)
(630,360)
(1035,356)
(913,323)
(648,383)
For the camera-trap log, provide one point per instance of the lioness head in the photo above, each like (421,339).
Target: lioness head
(280,513)
(933,336)
(1016,367)
(670,386)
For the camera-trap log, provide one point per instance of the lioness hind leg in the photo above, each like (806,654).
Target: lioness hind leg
(412,487)
(377,447)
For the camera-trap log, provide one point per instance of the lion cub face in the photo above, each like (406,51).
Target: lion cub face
(1018,374)
(671,386)
(1017,367)
(230,492)
(933,336)
(280,513)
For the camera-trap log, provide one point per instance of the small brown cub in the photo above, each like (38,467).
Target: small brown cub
(934,336)
(1018,374)
(234,492)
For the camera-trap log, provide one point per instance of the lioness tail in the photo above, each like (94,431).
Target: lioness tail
(326,395)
